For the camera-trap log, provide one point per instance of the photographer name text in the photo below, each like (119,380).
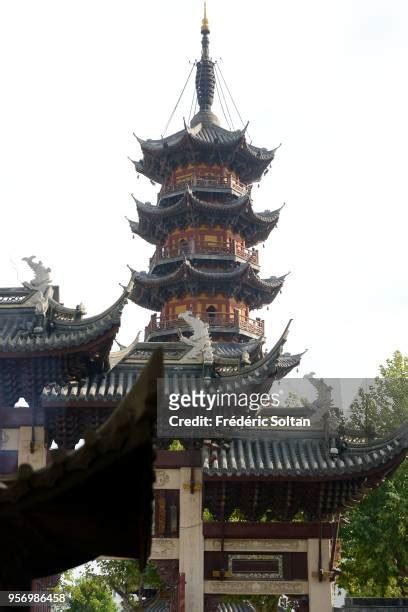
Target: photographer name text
(240,421)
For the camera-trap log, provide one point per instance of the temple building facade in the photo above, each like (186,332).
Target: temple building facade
(200,287)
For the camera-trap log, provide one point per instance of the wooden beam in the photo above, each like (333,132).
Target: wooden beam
(172,459)
(267,530)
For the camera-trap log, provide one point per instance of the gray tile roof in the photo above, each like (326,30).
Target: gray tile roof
(189,201)
(207,134)
(234,350)
(204,138)
(150,290)
(299,456)
(215,134)
(156,221)
(112,386)
(60,329)
(224,352)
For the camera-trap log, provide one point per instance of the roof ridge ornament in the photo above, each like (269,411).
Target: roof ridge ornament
(41,286)
(42,278)
(200,343)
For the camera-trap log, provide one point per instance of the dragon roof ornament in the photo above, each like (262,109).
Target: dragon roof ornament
(200,340)
(40,285)
(42,278)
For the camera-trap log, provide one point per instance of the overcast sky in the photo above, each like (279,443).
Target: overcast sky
(326,78)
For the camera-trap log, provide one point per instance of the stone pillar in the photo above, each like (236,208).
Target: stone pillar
(320,593)
(38,458)
(191,539)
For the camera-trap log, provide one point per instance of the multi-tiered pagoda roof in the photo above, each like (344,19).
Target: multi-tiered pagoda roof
(204,225)
(238,281)
(156,222)
(205,140)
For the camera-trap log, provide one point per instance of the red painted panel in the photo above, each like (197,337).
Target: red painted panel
(182,593)
(172,459)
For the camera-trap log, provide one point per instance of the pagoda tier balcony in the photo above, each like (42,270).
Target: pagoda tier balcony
(219,322)
(205,249)
(222,184)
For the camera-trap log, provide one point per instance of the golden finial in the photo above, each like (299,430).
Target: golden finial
(204,24)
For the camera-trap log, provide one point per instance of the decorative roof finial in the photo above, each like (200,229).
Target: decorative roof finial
(205,29)
(205,79)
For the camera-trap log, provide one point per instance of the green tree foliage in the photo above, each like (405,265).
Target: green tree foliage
(207,515)
(374,539)
(86,593)
(384,406)
(125,578)
(176,445)
(92,590)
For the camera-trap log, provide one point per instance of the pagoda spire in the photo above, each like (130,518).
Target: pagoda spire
(205,30)
(205,78)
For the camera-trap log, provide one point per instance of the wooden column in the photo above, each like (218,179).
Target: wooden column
(38,458)
(320,588)
(191,539)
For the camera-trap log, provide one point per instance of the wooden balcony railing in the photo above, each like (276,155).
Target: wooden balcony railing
(217,319)
(217,182)
(205,247)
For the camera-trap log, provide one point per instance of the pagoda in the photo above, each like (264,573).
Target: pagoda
(204,274)
(204,226)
